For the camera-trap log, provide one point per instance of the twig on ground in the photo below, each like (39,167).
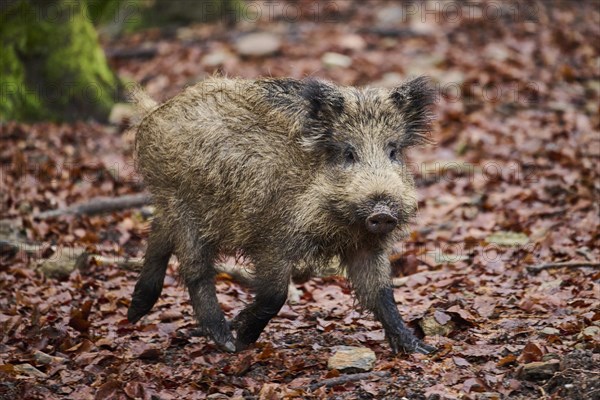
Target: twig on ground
(64,260)
(11,247)
(574,264)
(340,380)
(127,263)
(584,251)
(99,205)
(138,52)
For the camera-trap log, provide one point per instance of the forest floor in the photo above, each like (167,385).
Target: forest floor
(511,184)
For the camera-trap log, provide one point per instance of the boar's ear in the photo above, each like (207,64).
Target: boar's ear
(324,100)
(414,99)
(324,104)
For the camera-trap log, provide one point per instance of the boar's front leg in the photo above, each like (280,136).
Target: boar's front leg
(370,277)
(398,334)
(271,289)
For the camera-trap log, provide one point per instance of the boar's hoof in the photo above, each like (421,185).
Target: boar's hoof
(138,308)
(223,340)
(236,325)
(424,348)
(229,347)
(413,346)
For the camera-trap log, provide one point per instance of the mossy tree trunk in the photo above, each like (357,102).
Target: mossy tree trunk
(183,12)
(51,63)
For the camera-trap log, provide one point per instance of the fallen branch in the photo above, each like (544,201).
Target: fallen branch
(99,205)
(575,264)
(341,380)
(139,52)
(393,32)
(11,248)
(62,265)
(127,263)
(60,261)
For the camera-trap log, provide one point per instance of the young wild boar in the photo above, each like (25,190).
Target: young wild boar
(289,173)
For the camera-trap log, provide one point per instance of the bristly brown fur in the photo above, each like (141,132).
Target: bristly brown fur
(285,172)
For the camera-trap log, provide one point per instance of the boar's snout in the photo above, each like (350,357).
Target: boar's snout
(381,221)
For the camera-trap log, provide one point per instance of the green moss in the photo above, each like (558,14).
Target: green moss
(52,64)
(16,101)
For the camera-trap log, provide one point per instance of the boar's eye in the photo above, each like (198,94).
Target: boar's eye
(350,155)
(393,152)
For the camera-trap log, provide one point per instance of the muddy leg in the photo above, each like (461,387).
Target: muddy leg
(271,290)
(398,334)
(370,277)
(150,282)
(198,273)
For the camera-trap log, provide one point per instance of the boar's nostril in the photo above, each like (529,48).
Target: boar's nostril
(381,223)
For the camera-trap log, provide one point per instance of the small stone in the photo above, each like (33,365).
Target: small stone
(352,358)
(331,60)
(42,358)
(536,371)
(352,41)
(30,370)
(216,58)
(390,16)
(591,332)
(258,44)
(496,52)
(431,326)
(547,331)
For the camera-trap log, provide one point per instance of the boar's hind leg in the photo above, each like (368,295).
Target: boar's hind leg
(370,277)
(271,289)
(150,282)
(198,273)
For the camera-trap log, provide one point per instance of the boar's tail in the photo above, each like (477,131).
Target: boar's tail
(142,101)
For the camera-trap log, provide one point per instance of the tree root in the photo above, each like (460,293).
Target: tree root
(574,264)
(99,205)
